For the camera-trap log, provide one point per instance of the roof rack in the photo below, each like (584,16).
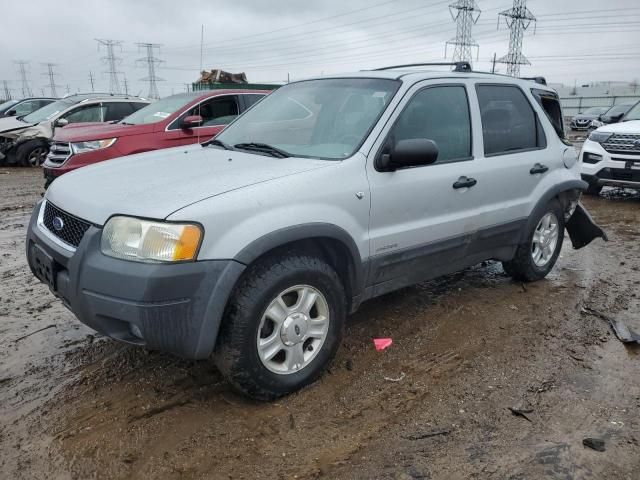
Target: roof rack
(540,80)
(459,66)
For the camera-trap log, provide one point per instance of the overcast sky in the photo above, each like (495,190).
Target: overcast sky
(574,40)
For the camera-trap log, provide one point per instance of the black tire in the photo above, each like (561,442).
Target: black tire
(236,354)
(523,267)
(32,153)
(593,189)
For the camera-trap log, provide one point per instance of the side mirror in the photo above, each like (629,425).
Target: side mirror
(61,122)
(11,113)
(412,152)
(191,121)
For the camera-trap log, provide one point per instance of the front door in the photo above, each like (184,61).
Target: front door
(423,218)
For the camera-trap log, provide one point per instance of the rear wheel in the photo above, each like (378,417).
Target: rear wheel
(282,327)
(32,153)
(537,255)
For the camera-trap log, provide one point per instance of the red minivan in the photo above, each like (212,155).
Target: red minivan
(170,122)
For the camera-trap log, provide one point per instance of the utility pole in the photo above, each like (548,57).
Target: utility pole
(518,19)
(50,73)
(91,80)
(466,15)
(68,89)
(126,85)
(493,64)
(22,68)
(151,61)
(7,90)
(112,62)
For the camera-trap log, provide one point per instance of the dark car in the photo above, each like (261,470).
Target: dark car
(19,108)
(582,121)
(615,113)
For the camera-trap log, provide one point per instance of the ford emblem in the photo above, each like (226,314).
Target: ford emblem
(58,223)
(637,143)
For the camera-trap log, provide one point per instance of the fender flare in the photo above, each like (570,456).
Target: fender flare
(554,191)
(308,231)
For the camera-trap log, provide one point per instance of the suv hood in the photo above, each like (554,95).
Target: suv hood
(84,132)
(632,126)
(156,184)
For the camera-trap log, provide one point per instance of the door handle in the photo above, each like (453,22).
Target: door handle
(538,168)
(465,182)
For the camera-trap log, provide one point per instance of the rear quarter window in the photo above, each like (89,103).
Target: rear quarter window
(550,103)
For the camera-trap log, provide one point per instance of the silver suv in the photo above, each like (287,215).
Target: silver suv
(255,246)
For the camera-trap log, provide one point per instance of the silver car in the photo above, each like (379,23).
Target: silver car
(255,246)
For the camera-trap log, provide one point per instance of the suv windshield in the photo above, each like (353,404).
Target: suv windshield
(633,114)
(617,109)
(327,118)
(157,111)
(47,112)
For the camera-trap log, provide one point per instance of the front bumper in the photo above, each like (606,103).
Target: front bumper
(175,308)
(614,169)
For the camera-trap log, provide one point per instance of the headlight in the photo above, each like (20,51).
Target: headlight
(599,137)
(82,147)
(147,241)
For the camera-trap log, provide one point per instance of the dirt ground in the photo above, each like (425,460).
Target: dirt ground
(435,405)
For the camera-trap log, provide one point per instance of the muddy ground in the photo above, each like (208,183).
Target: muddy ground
(434,405)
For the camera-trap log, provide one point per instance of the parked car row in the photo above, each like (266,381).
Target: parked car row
(20,108)
(25,139)
(597,116)
(170,122)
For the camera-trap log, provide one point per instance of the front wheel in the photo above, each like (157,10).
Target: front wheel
(32,153)
(593,189)
(282,327)
(537,255)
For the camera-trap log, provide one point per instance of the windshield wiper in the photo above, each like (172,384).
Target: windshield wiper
(217,143)
(262,148)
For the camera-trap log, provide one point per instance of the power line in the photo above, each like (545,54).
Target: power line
(518,19)
(466,17)
(22,68)
(50,73)
(151,61)
(7,90)
(112,61)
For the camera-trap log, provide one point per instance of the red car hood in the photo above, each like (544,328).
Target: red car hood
(83,132)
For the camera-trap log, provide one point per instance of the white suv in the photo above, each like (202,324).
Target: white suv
(255,246)
(611,154)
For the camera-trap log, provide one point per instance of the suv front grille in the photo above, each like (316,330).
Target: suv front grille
(72,229)
(59,153)
(622,143)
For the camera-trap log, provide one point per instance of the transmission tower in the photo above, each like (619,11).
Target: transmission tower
(465,13)
(22,68)
(151,61)
(112,63)
(51,74)
(518,19)
(6,89)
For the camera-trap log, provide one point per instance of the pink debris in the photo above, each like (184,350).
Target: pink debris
(382,343)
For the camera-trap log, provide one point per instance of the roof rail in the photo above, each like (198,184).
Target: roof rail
(540,80)
(459,66)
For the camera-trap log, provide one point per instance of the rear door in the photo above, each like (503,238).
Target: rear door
(216,112)
(515,158)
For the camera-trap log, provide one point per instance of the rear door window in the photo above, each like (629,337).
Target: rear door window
(509,123)
(251,98)
(117,111)
(215,111)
